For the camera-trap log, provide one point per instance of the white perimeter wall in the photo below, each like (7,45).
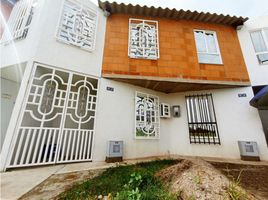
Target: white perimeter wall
(237,120)
(258,73)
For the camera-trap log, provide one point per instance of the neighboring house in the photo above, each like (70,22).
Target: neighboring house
(53,52)
(162,81)
(6,8)
(253,38)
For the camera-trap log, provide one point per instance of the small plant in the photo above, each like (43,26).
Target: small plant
(135,180)
(134,194)
(197,180)
(234,190)
(131,191)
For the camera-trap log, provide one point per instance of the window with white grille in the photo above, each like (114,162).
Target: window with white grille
(19,21)
(78,25)
(260,43)
(143,39)
(207,47)
(147,120)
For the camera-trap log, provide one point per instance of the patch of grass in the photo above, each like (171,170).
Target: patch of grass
(114,181)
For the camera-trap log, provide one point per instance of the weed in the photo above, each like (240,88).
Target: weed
(234,190)
(197,180)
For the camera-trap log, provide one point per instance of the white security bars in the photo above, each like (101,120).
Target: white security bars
(78,25)
(260,43)
(57,122)
(207,47)
(147,120)
(143,39)
(19,21)
(203,128)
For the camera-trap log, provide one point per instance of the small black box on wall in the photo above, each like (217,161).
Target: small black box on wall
(176,111)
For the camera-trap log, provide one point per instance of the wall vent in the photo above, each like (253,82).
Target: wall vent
(248,150)
(114,151)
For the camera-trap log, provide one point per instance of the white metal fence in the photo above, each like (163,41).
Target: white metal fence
(57,120)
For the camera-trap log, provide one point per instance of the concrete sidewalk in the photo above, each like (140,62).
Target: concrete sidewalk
(17,182)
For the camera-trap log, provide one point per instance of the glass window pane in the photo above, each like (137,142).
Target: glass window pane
(209,58)
(258,42)
(200,41)
(211,43)
(263,58)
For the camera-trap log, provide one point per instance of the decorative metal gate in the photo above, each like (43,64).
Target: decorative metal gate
(57,121)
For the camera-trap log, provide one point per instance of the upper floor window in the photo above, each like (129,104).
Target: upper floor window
(143,39)
(78,25)
(207,47)
(260,43)
(19,20)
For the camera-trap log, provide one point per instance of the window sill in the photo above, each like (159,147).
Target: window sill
(220,64)
(142,58)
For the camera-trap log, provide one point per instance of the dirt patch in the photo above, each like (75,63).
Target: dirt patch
(58,183)
(197,179)
(253,178)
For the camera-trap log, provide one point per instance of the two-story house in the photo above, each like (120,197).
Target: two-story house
(191,61)
(162,81)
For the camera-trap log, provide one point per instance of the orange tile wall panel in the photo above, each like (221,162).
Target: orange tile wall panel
(178,56)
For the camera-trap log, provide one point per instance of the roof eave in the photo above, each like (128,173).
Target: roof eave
(152,11)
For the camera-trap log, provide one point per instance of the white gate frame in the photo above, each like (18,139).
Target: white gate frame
(22,109)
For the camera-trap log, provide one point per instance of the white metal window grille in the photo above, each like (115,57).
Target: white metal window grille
(143,39)
(19,21)
(57,122)
(147,120)
(260,42)
(202,119)
(78,25)
(207,47)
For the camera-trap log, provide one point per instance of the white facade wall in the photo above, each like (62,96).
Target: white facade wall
(41,44)
(55,53)
(236,119)
(258,73)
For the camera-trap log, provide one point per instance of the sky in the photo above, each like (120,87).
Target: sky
(244,8)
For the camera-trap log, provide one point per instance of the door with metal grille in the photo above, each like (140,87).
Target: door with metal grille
(56,124)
